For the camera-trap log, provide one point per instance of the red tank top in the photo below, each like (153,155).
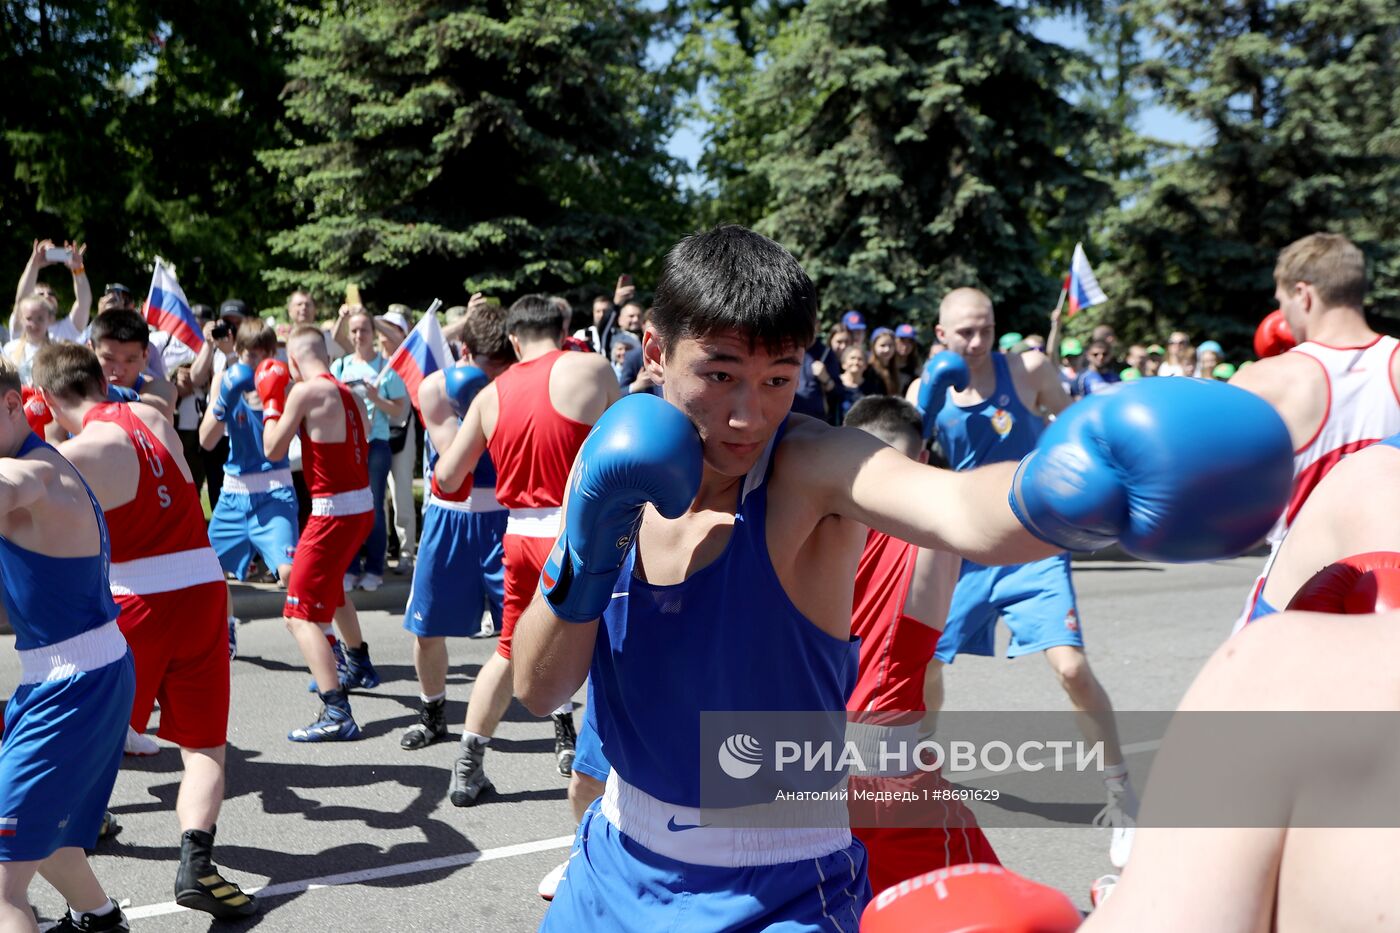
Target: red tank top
(895,649)
(533,446)
(165,516)
(340,467)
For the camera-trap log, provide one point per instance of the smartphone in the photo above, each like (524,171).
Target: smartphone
(624,281)
(352,295)
(57,254)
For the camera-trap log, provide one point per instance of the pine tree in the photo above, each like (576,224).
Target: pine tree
(1301,102)
(510,145)
(913,146)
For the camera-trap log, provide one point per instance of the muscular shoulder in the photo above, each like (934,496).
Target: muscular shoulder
(814,458)
(584,366)
(1279,377)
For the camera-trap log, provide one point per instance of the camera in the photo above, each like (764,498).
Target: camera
(220,330)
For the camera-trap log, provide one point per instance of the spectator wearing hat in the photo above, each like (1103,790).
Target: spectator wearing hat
(1152,362)
(392,329)
(1008,340)
(854,322)
(1209,355)
(908,359)
(882,362)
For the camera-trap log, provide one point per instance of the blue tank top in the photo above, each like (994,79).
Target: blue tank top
(483,477)
(992,431)
(50,599)
(726,638)
(244,425)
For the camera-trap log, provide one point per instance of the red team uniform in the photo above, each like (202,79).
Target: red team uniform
(170,588)
(895,651)
(342,514)
(533,448)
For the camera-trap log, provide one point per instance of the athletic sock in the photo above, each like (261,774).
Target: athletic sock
(432,699)
(566,707)
(102,911)
(478,739)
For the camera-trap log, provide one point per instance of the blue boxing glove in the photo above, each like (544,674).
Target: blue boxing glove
(1173,469)
(461,384)
(642,450)
(945,371)
(122,394)
(238,379)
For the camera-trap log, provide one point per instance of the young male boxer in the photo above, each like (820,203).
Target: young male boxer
(1338,390)
(902,595)
(257,507)
(66,721)
(171,593)
(532,420)
(993,414)
(460,551)
(734,591)
(335,461)
(122,343)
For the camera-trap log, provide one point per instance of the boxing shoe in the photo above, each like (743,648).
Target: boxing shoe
(139,745)
(198,884)
(431,727)
(113,920)
(334,724)
(342,671)
(564,741)
(469,780)
(359,669)
(550,882)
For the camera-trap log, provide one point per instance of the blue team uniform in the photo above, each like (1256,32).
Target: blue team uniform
(727,638)
(65,726)
(459,568)
(257,507)
(1261,606)
(1036,599)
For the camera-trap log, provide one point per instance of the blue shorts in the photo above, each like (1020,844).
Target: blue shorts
(243,521)
(588,747)
(59,759)
(1036,600)
(613,883)
(458,573)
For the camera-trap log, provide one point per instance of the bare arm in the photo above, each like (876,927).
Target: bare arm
(82,291)
(438,419)
(30,277)
(211,429)
(1050,396)
(160,395)
(460,457)
(394,408)
(278,433)
(551,657)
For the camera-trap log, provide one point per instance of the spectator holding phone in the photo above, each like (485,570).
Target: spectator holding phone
(44,253)
(385,397)
(208,369)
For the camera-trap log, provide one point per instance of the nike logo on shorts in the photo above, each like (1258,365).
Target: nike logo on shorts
(675,827)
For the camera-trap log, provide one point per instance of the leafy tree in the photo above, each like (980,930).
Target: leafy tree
(508,145)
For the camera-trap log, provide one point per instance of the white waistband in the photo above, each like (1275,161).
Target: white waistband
(478,500)
(534,523)
(166,572)
(885,748)
(258,482)
(649,822)
(354,502)
(88,651)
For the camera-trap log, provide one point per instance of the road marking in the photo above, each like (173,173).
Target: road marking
(371,874)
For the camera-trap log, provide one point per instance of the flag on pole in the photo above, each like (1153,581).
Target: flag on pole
(167,309)
(423,352)
(1084,291)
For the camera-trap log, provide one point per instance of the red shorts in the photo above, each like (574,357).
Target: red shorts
(524,559)
(316,586)
(179,641)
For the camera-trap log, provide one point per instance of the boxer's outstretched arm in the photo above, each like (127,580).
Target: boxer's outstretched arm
(278,432)
(458,459)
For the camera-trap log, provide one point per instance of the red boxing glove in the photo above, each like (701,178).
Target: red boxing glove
(35,411)
(460,495)
(1272,336)
(573,343)
(1356,585)
(973,898)
(272,378)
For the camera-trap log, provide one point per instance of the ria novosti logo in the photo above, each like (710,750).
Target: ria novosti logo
(740,756)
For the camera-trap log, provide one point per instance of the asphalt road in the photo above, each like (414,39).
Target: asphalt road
(360,835)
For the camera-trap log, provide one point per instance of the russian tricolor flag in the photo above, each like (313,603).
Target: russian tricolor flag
(423,352)
(9,825)
(167,309)
(1083,288)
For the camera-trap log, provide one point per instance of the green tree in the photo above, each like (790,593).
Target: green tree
(509,146)
(1301,103)
(908,147)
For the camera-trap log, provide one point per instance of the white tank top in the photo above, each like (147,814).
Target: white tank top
(1362,408)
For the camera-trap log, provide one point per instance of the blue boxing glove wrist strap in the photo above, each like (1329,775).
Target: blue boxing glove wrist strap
(573,594)
(1064,535)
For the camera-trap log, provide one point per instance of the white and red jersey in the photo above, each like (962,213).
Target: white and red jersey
(159,540)
(339,470)
(533,447)
(1362,407)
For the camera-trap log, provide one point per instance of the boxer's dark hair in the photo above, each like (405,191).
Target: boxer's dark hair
(484,333)
(730,279)
(254,334)
(70,372)
(122,326)
(888,417)
(534,316)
